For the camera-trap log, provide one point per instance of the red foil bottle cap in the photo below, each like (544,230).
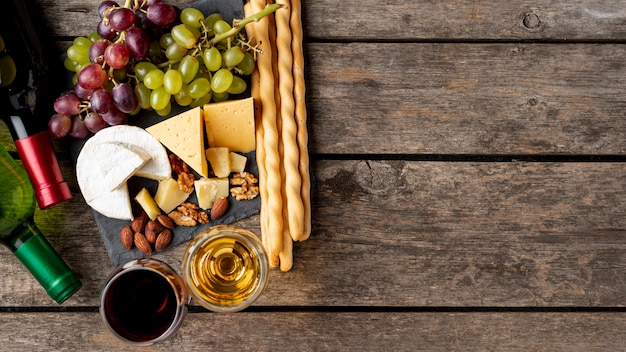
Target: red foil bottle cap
(42,167)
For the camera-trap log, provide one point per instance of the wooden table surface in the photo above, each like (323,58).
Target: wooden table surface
(469,165)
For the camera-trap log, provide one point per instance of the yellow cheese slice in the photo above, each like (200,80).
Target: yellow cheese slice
(183,135)
(230,124)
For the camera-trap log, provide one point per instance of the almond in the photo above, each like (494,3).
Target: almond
(164,239)
(126,237)
(166,221)
(139,222)
(155,226)
(220,207)
(151,235)
(142,243)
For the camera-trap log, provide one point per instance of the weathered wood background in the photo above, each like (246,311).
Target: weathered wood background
(469,165)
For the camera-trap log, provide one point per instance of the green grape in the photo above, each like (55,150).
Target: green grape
(175,52)
(212,59)
(183,35)
(201,101)
(70,64)
(142,69)
(188,68)
(209,21)
(154,79)
(218,97)
(233,56)
(192,17)
(221,26)
(221,81)
(247,65)
(199,87)
(165,40)
(155,49)
(136,111)
(238,86)
(172,81)
(159,98)
(182,98)
(143,95)
(82,41)
(166,110)
(94,36)
(79,53)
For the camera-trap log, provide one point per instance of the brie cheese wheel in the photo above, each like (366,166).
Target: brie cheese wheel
(183,135)
(114,204)
(136,138)
(114,164)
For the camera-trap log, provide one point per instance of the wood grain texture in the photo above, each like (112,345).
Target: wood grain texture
(467,98)
(413,20)
(327,331)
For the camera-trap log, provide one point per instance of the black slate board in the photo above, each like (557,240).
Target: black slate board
(110,228)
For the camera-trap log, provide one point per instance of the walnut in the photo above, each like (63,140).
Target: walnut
(247,189)
(185,181)
(193,211)
(181,219)
(178,165)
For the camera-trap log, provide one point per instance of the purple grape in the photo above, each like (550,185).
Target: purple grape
(92,76)
(105,31)
(116,55)
(115,117)
(82,92)
(101,101)
(96,51)
(94,122)
(121,19)
(124,97)
(161,14)
(149,3)
(104,6)
(138,43)
(59,125)
(67,104)
(78,130)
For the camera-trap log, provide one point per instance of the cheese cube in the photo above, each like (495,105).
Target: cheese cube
(230,124)
(237,162)
(168,195)
(147,203)
(210,189)
(219,158)
(183,135)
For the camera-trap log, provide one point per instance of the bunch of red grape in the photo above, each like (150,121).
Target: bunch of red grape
(146,55)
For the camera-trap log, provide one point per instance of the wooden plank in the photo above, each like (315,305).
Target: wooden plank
(450,234)
(413,20)
(327,331)
(466,98)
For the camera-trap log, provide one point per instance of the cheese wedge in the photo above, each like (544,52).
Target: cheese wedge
(116,163)
(219,158)
(136,138)
(230,124)
(183,135)
(210,189)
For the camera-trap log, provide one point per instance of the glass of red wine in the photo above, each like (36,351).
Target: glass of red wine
(143,302)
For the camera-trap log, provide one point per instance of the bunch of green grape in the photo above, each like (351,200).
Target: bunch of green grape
(148,55)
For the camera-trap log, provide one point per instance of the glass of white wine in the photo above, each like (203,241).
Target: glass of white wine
(225,268)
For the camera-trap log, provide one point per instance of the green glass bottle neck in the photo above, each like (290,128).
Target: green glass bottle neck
(44,263)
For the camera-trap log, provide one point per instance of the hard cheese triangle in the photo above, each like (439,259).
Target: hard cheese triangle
(183,135)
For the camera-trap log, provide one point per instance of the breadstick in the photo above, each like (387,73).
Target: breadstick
(291,160)
(272,182)
(295,23)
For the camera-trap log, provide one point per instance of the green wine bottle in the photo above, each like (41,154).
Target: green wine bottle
(20,234)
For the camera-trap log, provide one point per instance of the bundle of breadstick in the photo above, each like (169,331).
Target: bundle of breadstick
(278,89)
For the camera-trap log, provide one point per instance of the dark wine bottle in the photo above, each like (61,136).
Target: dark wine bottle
(25,85)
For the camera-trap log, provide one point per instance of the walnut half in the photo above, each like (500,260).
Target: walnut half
(247,186)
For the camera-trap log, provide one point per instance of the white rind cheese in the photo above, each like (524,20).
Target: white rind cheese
(158,167)
(183,135)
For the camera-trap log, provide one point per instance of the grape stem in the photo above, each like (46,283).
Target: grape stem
(238,25)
